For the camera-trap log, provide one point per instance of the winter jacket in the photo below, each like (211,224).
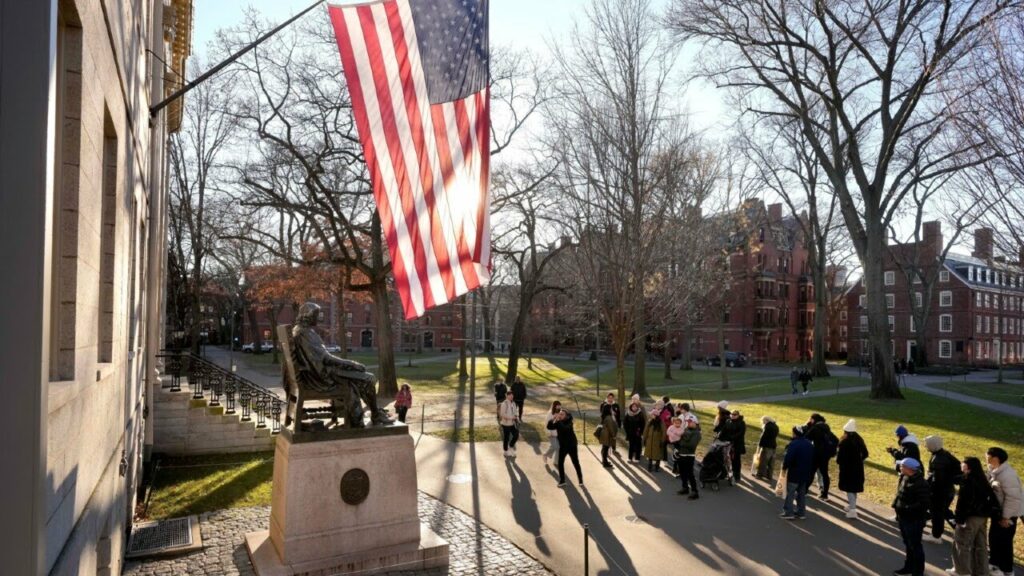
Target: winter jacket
(499,392)
(799,461)
(674,433)
(633,424)
(551,431)
(769,436)
(666,415)
(943,473)
(912,497)
(973,500)
(563,429)
(819,435)
(687,445)
(654,439)
(735,432)
(1006,484)
(616,412)
(508,413)
(519,391)
(908,449)
(403,399)
(609,429)
(850,457)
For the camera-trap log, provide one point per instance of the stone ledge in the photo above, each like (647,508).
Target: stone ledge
(432,551)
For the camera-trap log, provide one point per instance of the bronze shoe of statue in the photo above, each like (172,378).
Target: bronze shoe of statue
(381,418)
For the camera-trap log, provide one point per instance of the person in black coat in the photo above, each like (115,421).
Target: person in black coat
(911,505)
(850,457)
(567,445)
(767,444)
(943,475)
(519,394)
(633,425)
(825,445)
(499,395)
(973,506)
(735,433)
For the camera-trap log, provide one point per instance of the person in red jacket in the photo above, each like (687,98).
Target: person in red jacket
(403,401)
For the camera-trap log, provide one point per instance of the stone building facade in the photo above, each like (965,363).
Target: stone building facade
(82,174)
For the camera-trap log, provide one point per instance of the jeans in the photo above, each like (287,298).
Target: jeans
(509,436)
(552,447)
(940,511)
(851,499)
(796,494)
(767,467)
(911,530)
(1000,545)
(569,451)
(686,472)
(970,556)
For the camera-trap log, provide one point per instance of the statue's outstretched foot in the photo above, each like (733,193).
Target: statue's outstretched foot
(381,418)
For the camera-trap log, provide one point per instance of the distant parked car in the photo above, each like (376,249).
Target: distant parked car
(249,348)
(267,347)
(732,359)
(333,348)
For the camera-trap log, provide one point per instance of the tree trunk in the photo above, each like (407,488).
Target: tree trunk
(819,369)
(667,357)
(515,348)
(640,348)
(687,361)
(883,378)
(921,338)
(387,378)
(620,370)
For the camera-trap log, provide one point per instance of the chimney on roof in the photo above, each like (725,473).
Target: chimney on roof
(775,213)
(931,235)
(983,241)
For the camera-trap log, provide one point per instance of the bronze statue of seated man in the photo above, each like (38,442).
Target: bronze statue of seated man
(317,369)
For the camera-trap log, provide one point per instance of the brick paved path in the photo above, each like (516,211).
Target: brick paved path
(474,548)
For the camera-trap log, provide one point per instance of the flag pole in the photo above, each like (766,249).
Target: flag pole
(153,110)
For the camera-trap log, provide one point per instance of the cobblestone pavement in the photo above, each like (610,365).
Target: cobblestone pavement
(474,548)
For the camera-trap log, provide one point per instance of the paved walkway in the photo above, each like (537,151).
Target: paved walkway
(639,525)
(473,548)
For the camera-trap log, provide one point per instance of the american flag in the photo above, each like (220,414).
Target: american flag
(417,73)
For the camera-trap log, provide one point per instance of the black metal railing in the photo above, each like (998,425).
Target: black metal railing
(212,382)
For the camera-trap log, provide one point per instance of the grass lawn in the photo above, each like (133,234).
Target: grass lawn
(444,376)
(197,484)
(1005,393)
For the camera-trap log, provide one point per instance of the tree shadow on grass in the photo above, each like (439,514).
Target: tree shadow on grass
(198,488)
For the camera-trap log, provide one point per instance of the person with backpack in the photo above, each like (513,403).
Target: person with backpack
(499,394)
(686,454)
(1007,487)
(850,456)
(826,444)
(943,474)
(974,505)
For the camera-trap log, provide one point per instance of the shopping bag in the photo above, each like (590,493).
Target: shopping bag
(755,465)
(780,486)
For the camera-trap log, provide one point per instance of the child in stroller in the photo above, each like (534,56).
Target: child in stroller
(715,466)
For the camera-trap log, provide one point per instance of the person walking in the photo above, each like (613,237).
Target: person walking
(798,469)
(943,474)
(567,445)
(686,454)
(499,395)
(633,425)
(609,430)
(403,401)
(1007,487)
(805,380)
(617,415)
(970,518)
(911,506)
(508,416)
(794,379)
(552,450)
(850,456)
(654,440)
(766,445)
(825,446)
(519,394)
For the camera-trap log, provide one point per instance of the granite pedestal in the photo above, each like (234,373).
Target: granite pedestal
(342,502)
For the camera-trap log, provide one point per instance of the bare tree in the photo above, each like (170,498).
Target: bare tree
(867,84)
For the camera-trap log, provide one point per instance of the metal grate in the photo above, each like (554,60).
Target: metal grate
(165,535)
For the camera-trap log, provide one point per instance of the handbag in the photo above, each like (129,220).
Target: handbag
(598,430)
(780,485)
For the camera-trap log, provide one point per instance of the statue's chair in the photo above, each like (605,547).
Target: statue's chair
(297,394)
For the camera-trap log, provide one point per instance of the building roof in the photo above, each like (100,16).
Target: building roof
(981,274)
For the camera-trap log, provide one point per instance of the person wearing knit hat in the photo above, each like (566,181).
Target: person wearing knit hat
(798,471)
(723,405)
(943,475)
(633,425)
(850,456)
(908,447)
(911,506)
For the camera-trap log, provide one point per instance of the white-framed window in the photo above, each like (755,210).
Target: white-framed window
(988,300)
(863,323)
(945,349)
(978,327)
(842,315)
(918,299)
(892,323)
(977,299)
(945,323)
(890,300)
(946,298)
(842,331)
(890,278)
(988,324)
(913,326)
(944,276)
(863,301)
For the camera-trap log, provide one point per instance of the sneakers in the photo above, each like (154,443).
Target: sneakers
(786,516)
(851,514)
(507,453)
(798,517)
(607,465)
(512,452)
(932,539)
(561,484)
(953,572)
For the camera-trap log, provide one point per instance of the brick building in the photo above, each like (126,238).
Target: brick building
(977,305)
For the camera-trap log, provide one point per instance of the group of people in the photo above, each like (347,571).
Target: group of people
(802,377)
(510,401)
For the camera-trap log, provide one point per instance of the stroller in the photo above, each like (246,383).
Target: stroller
(715,468)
